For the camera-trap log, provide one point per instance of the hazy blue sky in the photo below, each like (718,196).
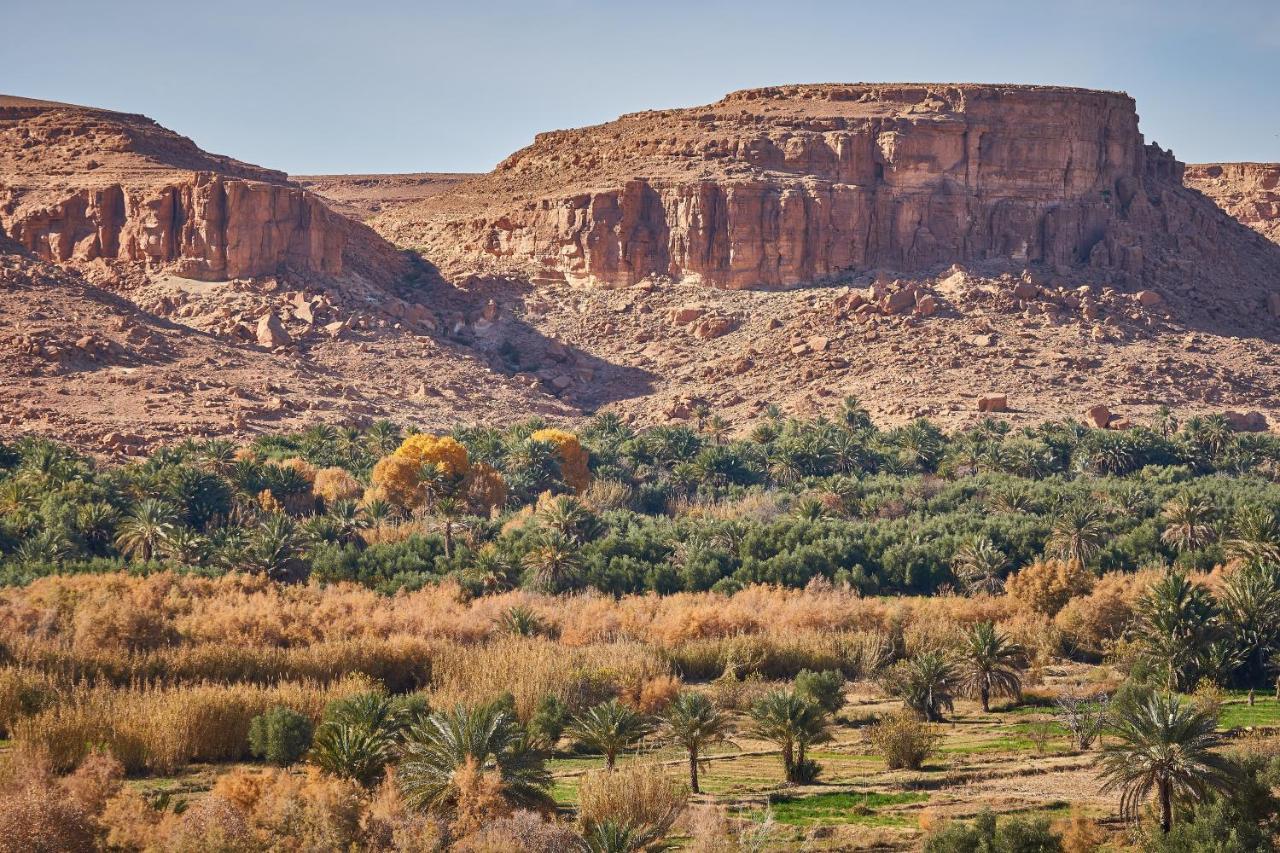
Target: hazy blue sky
(399,86)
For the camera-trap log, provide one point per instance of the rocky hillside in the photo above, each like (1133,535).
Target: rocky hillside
(946,251)
(1248,191)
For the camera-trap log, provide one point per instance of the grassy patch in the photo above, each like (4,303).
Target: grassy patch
(1265,712)
(844,807)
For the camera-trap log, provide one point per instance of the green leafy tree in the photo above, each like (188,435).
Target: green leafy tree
(142,533)
(280,736)
(1175,622)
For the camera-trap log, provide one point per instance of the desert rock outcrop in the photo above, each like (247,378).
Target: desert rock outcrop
(785,185)
(1248,191)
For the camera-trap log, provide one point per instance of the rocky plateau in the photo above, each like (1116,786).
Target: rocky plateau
(941,250)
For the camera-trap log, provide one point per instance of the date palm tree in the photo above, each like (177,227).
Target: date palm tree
(979,565)
(1164,748)
(1175,623)
(925,684)
(990,665)
(489,739)
(1188,522)
(1077,534)
(694,722)
(793,724)
(610,727)
(554,561)
(142,533)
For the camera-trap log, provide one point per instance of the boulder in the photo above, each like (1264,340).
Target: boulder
(685,315)
(271,332)
(1246,421)
(1149,298)
(1099,415)
(993,403)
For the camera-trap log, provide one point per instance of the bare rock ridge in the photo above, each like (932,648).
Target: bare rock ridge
(81,184)
(793,184)
(1248,191)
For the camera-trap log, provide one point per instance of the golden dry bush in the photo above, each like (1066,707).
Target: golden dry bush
(160,729)
(304,468)
(396,480)
(484,488)
(479,798)
(634,795)
(1047,585)
(445,452)
(530,668)
(655,694)
(336,484)
(1092,623)
(389,824)
(519,832)
(307,811)
(23,692)
(572,456)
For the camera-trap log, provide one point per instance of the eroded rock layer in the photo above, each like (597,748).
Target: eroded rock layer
(1248,191)
(79,184)
(787,185)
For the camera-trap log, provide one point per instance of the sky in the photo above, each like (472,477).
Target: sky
(346,87)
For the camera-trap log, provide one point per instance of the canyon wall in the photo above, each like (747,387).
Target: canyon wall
(775,187)
(1250,192)
(206,227)
(79,184)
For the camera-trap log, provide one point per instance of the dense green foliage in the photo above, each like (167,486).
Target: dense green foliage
(281,736)
(987,835)
(910,509)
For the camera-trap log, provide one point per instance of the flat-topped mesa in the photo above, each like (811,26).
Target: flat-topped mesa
(791,184)
(79,184)
(1248,191)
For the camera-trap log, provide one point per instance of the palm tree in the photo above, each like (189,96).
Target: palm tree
(144,530)
(571,518)
(979,565)
(448,510)
(1077,534)
(488,738)
(1165,747)
(184,546)
(925,683)
(1255,536)
(554,561)
(793,724)
(990,664)
(694,722)
(1188,523)
(1174,624)
(610,727)
(274,548)
(1249,600)
(359,736)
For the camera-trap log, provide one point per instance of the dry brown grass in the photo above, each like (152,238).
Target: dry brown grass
(160,729)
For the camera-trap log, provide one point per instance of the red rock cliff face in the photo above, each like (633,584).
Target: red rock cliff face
(1248,191)
(78,184)
(781,186)
(208,227)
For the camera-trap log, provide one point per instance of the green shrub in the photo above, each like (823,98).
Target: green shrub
(825,689)
(281,736)
(547,723)
(986,835)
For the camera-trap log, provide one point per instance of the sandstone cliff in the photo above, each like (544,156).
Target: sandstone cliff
(778,186)
(79,184)
(1248,191)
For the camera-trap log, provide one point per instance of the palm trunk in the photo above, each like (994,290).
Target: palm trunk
(693,771)
(448,539)
(788,762)
(609,758)
(1166,808)
(986,699)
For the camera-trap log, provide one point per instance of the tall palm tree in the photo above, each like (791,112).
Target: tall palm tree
(1174,625)
(610,727)
(1165,747)
(1077,534)
(1255,536)
(990,664)
(793,724)
(448,510)
(1188,522)
(571,518)
(1249,600)
(141,534)
(694,722)
(275,548)
(487,737)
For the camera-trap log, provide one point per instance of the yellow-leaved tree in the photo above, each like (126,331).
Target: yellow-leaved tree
(573,457)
